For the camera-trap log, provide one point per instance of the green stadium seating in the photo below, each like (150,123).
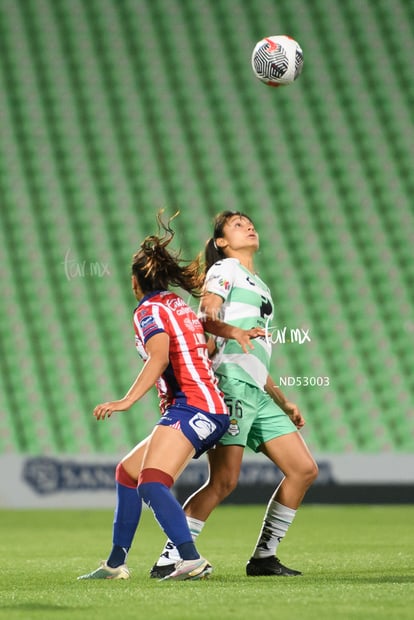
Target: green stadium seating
(110,111)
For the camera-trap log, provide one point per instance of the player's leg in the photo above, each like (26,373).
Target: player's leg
(129,504)
(126,517)
(224,469)
(168,452)
(290,453)
(292,456)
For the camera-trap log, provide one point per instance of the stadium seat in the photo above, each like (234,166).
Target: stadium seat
(112,110)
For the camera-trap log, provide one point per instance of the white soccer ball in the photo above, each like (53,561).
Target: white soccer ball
(277,60)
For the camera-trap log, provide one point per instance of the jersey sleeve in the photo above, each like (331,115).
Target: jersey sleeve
(220,277)
(150,323)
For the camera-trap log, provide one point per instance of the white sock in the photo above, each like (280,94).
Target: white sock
(276,523)
(170,553)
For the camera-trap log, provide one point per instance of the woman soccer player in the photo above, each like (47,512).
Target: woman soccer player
(171,340)
(261,416)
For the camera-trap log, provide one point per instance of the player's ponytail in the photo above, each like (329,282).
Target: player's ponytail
(157,268)
(212,254)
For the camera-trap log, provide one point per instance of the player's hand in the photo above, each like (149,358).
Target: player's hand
(244,337)
(106,409)
(294,414)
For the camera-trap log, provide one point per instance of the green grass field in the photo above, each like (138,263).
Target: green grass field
(358,562)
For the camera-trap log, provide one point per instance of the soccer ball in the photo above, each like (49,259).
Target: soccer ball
(277,60)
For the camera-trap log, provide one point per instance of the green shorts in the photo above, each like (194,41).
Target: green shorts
(254,416)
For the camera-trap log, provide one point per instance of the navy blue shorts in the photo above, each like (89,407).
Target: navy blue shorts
(202,429)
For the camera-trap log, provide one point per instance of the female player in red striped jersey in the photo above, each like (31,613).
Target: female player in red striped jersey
(171,340)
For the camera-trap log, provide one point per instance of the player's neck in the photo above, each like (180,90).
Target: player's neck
(246,259)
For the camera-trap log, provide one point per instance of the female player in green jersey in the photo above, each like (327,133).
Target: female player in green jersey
(261,416)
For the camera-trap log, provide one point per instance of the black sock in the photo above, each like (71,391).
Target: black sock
(188,551)
(117,556)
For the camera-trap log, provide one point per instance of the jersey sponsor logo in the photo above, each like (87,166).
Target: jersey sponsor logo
(147,320)
(149,325)
(192,324)
(202,425)
(178,306)
(175,302)
(218,280)
(224,284)
(250,281)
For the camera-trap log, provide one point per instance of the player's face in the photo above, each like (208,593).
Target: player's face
(238,234)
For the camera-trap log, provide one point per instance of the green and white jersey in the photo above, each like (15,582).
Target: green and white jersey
(247,303)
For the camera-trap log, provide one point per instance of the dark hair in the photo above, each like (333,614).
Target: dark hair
(212,252)
(156,268)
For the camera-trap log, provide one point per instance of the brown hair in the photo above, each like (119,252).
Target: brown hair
(156,268)
(212,252)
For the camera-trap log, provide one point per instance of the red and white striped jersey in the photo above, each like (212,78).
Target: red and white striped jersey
(189,377)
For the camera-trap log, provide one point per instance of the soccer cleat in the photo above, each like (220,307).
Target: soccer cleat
(190,569)
(107,572)
(258,567)
(159,572)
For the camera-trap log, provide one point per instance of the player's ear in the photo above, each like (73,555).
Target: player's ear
(221,242)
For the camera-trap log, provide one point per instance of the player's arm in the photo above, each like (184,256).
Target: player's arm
(281,401)
(209,314)
(211,345)
(157,348)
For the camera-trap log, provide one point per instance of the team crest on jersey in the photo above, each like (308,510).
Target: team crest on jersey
(233,429)
(202,425)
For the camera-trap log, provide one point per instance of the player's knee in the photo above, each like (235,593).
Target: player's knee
(311,472)
(223,487)
(123,477)
(303,473)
